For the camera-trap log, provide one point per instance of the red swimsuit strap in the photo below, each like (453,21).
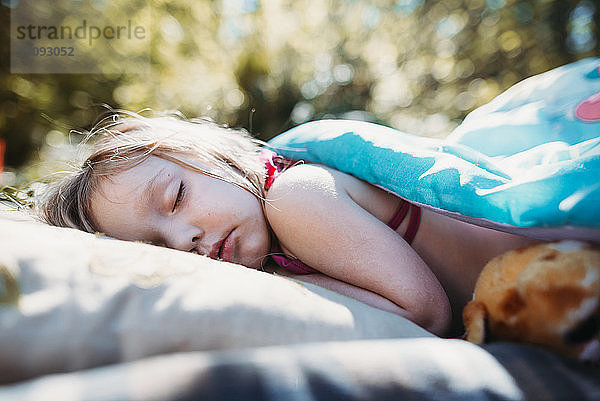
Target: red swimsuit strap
(400,214)
(274,164)
(413,223)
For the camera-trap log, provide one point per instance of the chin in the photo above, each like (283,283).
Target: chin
(255,266)
(253,249)
(254,258)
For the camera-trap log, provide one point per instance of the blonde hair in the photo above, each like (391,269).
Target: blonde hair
(124,140)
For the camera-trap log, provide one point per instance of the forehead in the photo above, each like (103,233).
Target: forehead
(134,181)
(120,205)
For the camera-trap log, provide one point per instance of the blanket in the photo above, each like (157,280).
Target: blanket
(528,162)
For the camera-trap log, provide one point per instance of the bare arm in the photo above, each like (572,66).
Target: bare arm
(317,221)
(352,291)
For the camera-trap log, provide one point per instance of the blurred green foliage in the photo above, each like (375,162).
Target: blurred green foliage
(416,65)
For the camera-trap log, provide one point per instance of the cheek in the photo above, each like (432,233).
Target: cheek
(118,220)
(242,203)
(256,226)
(105,215)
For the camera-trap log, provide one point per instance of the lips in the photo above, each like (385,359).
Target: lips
(215,250)
(223,249)
(226,252)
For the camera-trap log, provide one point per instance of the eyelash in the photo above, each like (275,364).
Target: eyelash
(180,195)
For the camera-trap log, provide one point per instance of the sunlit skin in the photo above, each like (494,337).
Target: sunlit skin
(330,220)
(166,204)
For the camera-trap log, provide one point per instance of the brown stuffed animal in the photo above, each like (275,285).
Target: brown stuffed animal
(546,294)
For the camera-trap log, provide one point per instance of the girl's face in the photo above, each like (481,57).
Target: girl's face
(161,202)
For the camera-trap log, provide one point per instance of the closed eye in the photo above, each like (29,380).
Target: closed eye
(180,196)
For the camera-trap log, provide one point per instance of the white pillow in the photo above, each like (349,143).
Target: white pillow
(71,300)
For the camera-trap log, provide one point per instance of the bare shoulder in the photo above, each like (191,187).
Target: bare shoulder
(297,190)
(309,177)
(304,199)
(307,183)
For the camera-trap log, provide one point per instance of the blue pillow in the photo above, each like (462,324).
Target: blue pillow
(527,161)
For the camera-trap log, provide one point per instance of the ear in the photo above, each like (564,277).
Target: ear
(474,316)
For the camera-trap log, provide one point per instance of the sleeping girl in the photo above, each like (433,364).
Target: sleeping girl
(197,187)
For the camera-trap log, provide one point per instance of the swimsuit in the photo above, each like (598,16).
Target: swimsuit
(275,164)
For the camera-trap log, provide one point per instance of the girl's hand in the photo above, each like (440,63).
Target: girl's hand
(316,220)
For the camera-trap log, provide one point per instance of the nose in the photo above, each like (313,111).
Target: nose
(186,239)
